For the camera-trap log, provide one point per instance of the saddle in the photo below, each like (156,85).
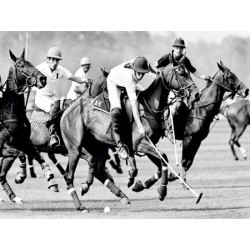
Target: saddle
(101,103)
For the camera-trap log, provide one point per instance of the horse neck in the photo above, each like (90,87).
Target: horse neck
(212,97)
(155,97)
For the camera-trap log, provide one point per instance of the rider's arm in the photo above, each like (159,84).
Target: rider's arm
(162,62)
(78,79)
(200,75)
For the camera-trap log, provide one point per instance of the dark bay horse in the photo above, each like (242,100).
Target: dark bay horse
(201,116)
(40,138)
(86,130)
(238,116)
(14,125)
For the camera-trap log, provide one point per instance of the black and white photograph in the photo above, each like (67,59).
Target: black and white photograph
(140,122)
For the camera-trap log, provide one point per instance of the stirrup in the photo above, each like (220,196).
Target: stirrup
(123,151)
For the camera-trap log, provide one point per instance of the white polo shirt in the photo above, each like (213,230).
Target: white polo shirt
(123,77)
(53,78)
(82,87)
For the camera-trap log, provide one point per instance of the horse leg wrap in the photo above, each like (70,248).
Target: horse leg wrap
(8,190)
(47,172)
(75,198)
(114,189)
(162,190)
(150,182)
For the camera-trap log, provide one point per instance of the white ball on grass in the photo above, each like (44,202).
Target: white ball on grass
(106,210)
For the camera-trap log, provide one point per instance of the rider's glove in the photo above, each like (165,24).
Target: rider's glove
(142,131)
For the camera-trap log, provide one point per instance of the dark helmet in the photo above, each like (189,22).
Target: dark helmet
(179,42)
(141,65)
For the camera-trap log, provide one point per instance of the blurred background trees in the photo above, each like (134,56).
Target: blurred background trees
(107,49)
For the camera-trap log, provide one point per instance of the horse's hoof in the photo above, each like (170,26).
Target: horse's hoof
(18,200)
(53,186)
(125,201)
(20,177)
(138,187)
(85,188)
(162,191)
(130,182)
(83,209)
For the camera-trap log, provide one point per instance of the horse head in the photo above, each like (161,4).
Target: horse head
(25,74)
(229,81)
(181,83)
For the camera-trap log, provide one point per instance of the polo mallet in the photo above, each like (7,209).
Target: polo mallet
(175,149)
(196,195)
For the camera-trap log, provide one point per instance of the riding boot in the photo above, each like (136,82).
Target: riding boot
(54,139)
(116,118)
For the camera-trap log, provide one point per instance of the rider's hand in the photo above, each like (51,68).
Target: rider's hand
(207,78)
(142,131)
(90,81)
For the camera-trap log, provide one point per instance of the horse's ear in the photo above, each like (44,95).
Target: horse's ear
(23,54)
(12,56)
(221,66)
(104,72)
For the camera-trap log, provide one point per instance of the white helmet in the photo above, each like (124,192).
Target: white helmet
(55,52)
(85,60)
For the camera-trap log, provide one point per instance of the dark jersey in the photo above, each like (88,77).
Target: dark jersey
(165,60)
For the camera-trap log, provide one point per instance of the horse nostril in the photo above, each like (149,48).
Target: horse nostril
(43,79)
(197,96)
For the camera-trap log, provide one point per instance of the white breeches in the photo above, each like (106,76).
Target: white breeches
(114,94)
(44,102)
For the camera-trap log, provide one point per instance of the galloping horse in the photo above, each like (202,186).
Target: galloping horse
(14,125)
(238,116)
(86,131)
(40,138)
(201,116)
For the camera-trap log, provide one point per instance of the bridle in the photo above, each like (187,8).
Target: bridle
(233,90)
(181,93)
(30,80)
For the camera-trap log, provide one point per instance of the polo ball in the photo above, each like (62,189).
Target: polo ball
(106,210)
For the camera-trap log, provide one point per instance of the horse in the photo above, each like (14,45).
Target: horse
(14,125)
(40,139)
(197,125)
(86,131)
(238,116)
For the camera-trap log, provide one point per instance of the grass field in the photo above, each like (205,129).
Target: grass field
(224,182)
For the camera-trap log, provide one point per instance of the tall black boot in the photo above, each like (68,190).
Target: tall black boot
(54,139)
(116,118)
